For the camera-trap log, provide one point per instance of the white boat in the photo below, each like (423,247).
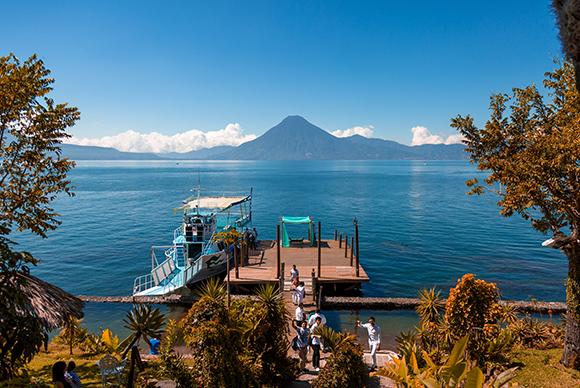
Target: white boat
(193,257)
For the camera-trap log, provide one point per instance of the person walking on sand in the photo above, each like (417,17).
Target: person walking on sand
(374,338)
(302,343)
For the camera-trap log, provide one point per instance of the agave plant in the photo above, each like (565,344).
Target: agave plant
(212,289)
(430,307)
(143,322)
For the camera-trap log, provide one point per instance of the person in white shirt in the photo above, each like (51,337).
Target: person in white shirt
(313,317)
(300,293)
(300,313)
(374,338)
(293,273)
(315,344)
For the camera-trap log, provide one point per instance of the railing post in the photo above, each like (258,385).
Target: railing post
(335,234)
(319,247)
(236,260)
(356,238)
(282,278)
(313,286)
(345,246)
(278,249)
(339,241)
(351,250)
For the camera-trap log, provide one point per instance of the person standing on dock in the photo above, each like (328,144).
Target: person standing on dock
(293,273)
(374,338)
(302,343)
(254,238)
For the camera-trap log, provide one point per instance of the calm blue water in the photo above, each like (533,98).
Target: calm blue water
(417,227)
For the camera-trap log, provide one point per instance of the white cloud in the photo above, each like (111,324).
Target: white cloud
(131,141)
(421,135)
(363,131)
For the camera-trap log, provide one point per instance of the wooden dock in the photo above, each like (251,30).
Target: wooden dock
(337,266)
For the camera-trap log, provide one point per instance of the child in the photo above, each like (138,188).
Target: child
(71,375)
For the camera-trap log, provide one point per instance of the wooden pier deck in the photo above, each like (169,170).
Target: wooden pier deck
(262,265)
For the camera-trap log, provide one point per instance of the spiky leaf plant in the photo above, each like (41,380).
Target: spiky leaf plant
(212,289)
(143,322)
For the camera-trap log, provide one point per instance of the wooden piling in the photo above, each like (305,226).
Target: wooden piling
(319,246)
(351,250)
(345,245)
(278,248)
(357,257)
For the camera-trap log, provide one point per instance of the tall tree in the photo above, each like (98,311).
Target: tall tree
(567,14)
(32,173)
(533,160)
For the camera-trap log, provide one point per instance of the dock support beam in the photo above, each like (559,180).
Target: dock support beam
(282,279)
(236,261)
(356,238)
(313,286)
(278,248)
(319,247)
(351,250)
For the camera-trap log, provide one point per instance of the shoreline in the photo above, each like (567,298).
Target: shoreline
(331,303)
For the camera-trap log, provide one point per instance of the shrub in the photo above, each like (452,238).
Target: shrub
(473,309)
(345,367)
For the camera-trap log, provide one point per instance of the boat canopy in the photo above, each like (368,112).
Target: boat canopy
(221,203)
(297,220)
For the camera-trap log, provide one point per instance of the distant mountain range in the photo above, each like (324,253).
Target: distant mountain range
(293,139)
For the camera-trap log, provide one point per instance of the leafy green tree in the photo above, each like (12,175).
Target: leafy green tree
(143,322)
(532,154)
(32,173)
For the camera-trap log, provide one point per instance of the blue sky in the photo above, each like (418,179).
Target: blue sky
(205,72)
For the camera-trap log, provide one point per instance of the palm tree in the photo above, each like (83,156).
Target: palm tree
(143,322)
(70,330)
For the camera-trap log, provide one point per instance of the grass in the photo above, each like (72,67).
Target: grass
(40,367)
(538,368)
(542,369)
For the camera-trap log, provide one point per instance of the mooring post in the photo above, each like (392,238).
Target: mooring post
(335,234)
(340,241)
(345,246)
(236,261)
(282,278)
(356,239)
(278,248)
(318,301)
(319,246)
(351,250)
(313,285)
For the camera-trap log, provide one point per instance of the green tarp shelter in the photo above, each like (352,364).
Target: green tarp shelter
(296,220)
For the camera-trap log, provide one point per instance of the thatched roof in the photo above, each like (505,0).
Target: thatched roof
(47,302)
